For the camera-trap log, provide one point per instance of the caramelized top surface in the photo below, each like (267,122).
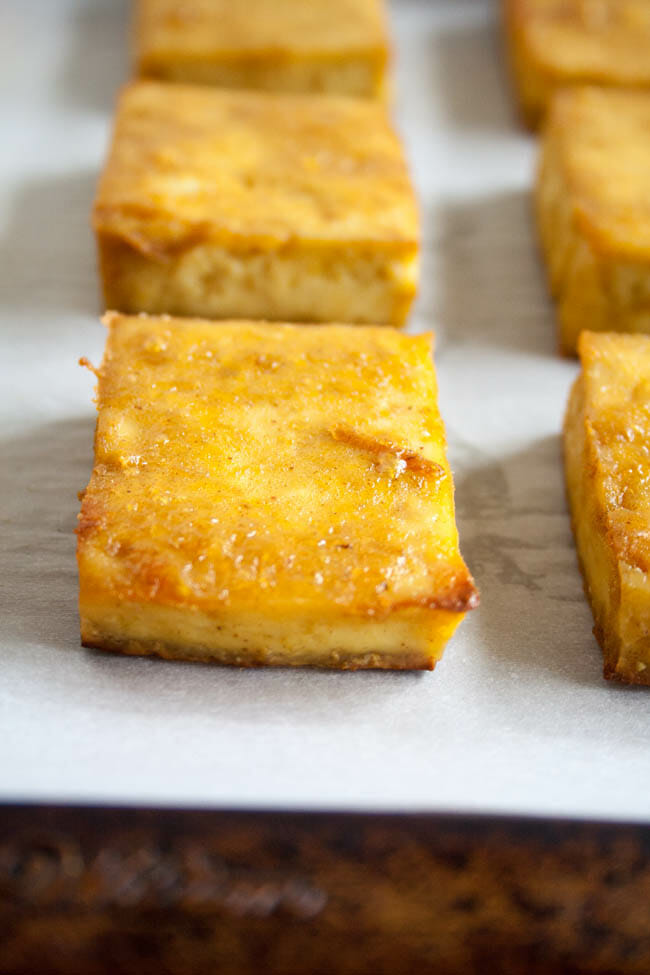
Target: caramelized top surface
(189,164)
(602,136)
(596,40)
(281,28)
(616,377)
(302,467)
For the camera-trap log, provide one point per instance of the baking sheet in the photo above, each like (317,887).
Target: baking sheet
(517,718)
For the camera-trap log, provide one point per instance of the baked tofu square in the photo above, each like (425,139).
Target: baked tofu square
(269,495)
(607,433)
(558,43)
(593,206)
(230,204)
(331,46)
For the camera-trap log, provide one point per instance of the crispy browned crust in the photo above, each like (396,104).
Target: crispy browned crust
(382,449)
(460,598)
(609,650)
(606,645)
(614,548)
(333,660)
(630,679)
(162,252)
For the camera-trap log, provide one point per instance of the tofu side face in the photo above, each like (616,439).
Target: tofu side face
(556,43)
(292,480)
(332,46)
(593,209)
(204,189)
(607,432)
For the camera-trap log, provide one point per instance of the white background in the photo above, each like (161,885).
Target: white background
(517,718)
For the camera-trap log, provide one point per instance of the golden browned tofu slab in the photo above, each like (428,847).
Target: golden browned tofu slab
(332,46)
(270,494)
(593,209)
(557,43)
(228,204)
(606,437)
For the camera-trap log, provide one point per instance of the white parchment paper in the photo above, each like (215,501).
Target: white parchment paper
(517,718)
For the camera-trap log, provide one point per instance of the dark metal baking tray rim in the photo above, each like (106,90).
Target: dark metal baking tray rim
(118,889)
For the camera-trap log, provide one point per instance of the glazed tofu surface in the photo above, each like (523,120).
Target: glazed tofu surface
(607,433)
(593,210)
(270,494)
(335,46)
(226,204)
